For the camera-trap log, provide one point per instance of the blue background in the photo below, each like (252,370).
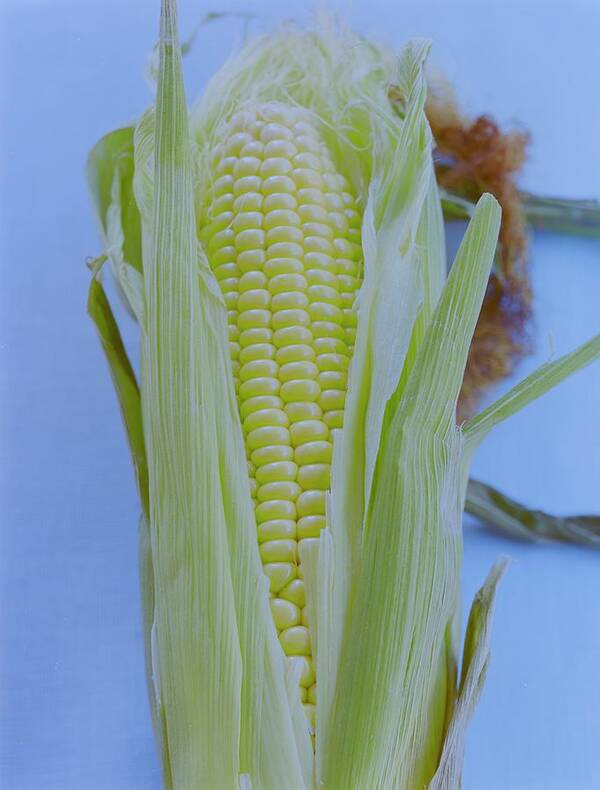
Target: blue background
(74,713)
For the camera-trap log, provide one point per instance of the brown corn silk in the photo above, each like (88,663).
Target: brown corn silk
(473,157)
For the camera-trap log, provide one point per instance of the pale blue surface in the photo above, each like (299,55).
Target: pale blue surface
(74,714)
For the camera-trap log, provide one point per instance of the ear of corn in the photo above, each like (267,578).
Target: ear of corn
(282,232)
(308,188)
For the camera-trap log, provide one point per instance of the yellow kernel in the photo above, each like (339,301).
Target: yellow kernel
(234,350)
(247,166)
(275,131)
(285,249)
(330,345)
(295,592)
(346,267)
(304,617)
(230,299)
(255,335)
(281,218)
(257,299)
(350,336)
(332,362)
(259,387)
(328,329)
(313,213)
(303,410)
(232,329)
(286,266)
(304,697)
(283,282)
(289,300)
(339,223)
(295,353)
(283,148)
(277,529)
(272,453)
(254,319)
(295,641)
(226,270)
(318,229)
(323,311)
(251,239)
(348,282)
(333,379)
(280,489)
(234,144)
(290,318)
(279,574)
(250,260)
(300,390)
(257,351)
(318,452)
(251,405)
(267,435)
(246,184)
(253,148)
(252,281)
(310,527)
(318,244)
(221,221)
(275,166)
(292,335)
(278,551)
(307,177)
(246,220)
(334,419)
(223,203)
(229,284)
(324,293)
(277,185)
(310,196)
(311,503)
(332,400)
(312,694)
(308,159)
(307,431)
(274,509)
(284,234)
(262,417)
(224,238)
(298,370)
(334,201)
(280,470)
(321,269)
(350,318)
(248,201)
(223,185)
(285,613)
(314,476)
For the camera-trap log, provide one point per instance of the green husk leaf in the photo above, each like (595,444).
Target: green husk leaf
(511,517)
(475,662)
(124,380)
(109,174)
(219,665)
(410,557)
(536,384)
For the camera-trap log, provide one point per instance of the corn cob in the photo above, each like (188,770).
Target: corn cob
(282,233)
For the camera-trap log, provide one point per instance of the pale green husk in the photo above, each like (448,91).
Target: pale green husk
(383,583)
